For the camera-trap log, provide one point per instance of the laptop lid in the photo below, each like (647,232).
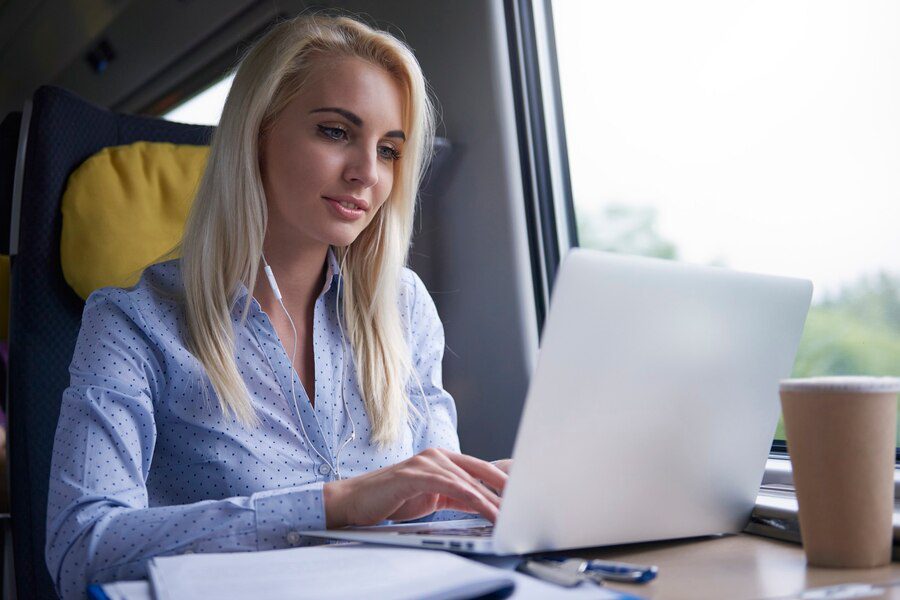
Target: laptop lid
(653,404)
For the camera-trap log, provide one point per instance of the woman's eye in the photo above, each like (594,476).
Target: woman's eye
(388,152)
(334,133)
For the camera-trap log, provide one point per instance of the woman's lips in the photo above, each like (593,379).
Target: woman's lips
(348,214)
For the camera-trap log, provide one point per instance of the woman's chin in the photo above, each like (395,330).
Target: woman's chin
(342,239)
(346,233)
(334,234)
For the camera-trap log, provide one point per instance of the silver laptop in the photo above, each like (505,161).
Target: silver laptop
(650,413)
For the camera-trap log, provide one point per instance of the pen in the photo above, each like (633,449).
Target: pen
(610,570)
(551,573)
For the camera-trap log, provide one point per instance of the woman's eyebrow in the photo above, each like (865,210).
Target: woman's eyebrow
(353,118)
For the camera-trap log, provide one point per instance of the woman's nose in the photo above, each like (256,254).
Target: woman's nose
(362,168)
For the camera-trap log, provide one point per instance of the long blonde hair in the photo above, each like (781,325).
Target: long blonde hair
(223,238)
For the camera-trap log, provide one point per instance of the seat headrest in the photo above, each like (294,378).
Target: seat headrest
(125,208)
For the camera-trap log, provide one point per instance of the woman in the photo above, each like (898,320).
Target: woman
(285,373)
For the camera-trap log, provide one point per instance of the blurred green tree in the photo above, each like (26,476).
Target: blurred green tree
(625,229)
(853,332)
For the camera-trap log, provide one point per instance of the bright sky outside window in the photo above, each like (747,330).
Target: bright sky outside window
(760,135)
(205,108)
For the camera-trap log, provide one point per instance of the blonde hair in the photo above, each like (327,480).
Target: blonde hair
(223,238)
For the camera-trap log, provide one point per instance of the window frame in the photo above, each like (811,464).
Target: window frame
(547,191)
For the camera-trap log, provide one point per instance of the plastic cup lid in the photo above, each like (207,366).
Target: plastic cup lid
(873,385)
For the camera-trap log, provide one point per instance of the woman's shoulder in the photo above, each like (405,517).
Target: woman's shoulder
(409,280)
(412,288)
(158,289)
(415,300)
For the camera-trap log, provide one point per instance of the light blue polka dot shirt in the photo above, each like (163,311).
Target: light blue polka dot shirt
(145,464)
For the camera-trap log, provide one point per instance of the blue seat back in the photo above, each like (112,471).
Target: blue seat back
(45,313)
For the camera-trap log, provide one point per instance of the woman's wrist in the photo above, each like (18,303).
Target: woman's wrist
(335,498)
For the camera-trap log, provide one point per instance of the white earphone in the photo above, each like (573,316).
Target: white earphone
(336,466)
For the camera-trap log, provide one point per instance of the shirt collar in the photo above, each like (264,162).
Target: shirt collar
(331,274)
(334,269)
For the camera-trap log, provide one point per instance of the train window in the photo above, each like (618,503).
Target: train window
(761,136)
(204,108)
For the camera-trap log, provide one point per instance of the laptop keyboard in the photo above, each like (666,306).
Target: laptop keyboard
(482,531)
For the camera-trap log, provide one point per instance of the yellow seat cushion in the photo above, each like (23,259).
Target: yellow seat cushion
(123,209)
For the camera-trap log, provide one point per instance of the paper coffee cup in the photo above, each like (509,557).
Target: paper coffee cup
(841,437)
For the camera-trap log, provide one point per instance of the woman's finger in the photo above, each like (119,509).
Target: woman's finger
(480,469)
(445,462)
(446,484)
(470,500)
(432,480)
(504,464)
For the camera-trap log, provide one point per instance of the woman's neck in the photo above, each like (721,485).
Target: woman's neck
(300,276)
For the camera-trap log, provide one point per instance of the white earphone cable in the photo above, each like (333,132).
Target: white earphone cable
(335,467)
(337,314)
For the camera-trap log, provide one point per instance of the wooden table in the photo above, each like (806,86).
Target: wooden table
(734,567)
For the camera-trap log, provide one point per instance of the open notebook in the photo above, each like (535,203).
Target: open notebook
(339,571)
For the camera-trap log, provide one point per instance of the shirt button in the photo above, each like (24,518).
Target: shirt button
(324,469)
(293,538)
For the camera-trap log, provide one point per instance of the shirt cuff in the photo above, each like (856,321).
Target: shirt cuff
(283,515)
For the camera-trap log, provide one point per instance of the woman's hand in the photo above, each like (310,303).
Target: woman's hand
(434,479)
(504,464)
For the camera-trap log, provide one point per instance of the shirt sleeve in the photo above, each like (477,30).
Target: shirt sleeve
(100,526)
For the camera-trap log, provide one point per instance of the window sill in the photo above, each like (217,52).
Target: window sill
(775,513)
(778,473)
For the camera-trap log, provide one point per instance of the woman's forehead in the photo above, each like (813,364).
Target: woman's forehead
(354,85)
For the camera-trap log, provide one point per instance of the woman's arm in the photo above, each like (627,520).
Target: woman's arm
(438,477)
(434,435)
(101,529)
(99,523)
(100,526)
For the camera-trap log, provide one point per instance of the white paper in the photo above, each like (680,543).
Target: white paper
(127,590)
(527,588)
(323,573)
(531,588)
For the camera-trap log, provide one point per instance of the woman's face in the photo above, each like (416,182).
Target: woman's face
(328,161)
